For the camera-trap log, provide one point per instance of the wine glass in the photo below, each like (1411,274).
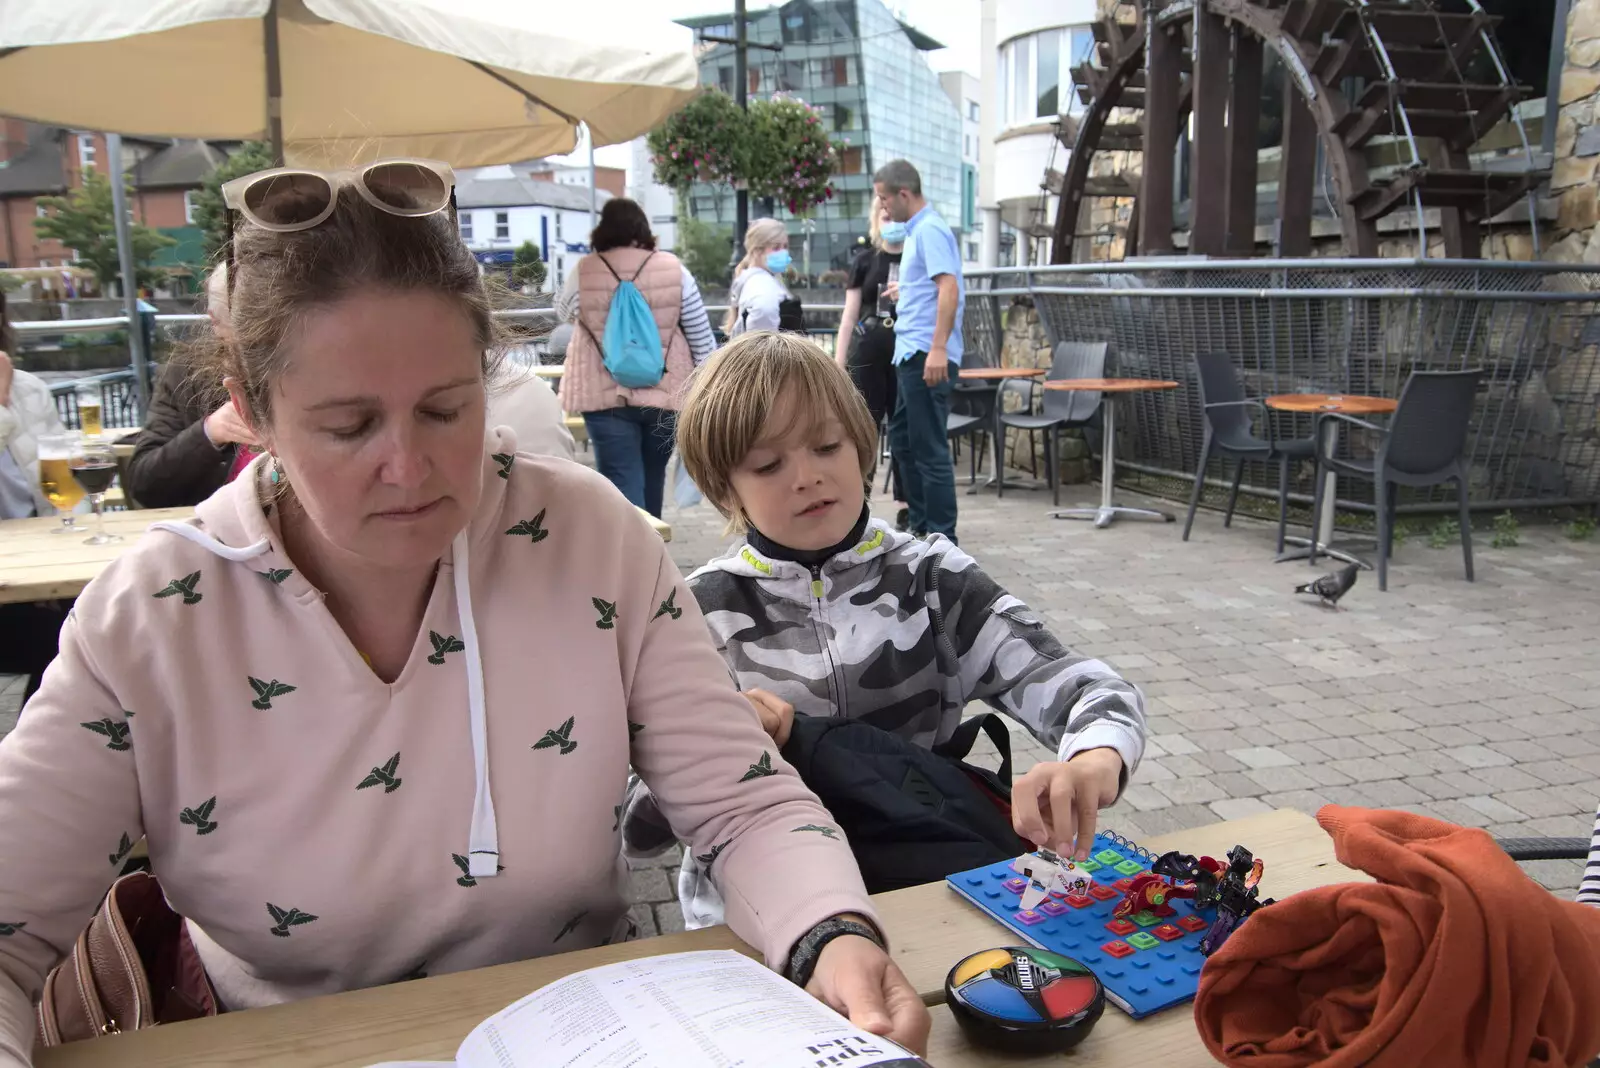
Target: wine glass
(94,465)
(57,483)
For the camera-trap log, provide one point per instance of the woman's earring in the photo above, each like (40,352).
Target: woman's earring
(276,476)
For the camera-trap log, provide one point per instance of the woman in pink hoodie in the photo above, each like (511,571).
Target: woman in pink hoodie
(373,707)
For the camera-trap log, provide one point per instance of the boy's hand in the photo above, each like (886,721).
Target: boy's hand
(1056,805)
(777,715)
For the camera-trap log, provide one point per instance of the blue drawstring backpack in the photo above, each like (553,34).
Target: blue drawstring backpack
(631,349)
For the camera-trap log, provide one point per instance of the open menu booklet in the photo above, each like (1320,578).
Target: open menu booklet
(681,1010)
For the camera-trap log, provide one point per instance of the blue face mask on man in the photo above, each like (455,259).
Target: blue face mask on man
(778,262)
(893,233)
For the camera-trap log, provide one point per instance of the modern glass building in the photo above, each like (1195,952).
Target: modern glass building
(866,70)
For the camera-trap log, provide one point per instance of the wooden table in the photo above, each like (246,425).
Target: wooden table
(929,927)
(36,565)
(997,376)
(1328,432)
(1110,388)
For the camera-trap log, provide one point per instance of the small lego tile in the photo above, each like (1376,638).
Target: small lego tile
(1030,917)
(1143,940)
(1191,923)
(1145,919)
(1016,886)
(1052,908)
(1109,857)
(1129,867)
(1101,892)
(1167,933)
(1117,949)
(1124,885)
(1080,901)
(1121,927)
(1090,866)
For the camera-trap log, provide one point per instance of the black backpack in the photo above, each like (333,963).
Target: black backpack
(912,815)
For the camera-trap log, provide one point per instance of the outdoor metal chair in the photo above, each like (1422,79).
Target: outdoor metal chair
(1059,409)
(1424,445)
(970,417)
(1229,434)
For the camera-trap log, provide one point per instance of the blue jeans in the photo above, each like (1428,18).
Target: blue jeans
(631,448)
(919,441)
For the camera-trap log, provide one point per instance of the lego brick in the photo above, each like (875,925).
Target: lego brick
(1129,867)
(1145,919)
(1101,892)
(1109,856)
(1143,940)
(1192,923)
(1168,933)
(1117,949)
(1124,885)
(1121,927)
(1090,866)
(1052,908)
(1029,917)
(1080,901)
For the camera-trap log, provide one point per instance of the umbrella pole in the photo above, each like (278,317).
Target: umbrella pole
(269,37)
(589,136)
(130,287)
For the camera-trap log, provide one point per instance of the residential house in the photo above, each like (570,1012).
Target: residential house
(498,209)
(39,161)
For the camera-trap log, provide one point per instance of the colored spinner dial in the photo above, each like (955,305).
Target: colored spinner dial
(1024,1000)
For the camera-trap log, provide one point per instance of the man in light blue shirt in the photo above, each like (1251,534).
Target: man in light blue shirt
(927,350)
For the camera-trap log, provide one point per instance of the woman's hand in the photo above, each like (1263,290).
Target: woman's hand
(224,427)
(856,978)
(777,715)
(1055,804)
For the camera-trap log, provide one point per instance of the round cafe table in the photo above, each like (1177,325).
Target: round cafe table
(996,376)
(1110,389)
(1328,435)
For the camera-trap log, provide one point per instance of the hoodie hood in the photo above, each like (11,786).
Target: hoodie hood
(751,282)
(235,524)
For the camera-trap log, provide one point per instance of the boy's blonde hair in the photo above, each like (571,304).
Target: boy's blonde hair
(735,397)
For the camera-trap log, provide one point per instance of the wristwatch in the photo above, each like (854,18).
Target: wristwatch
(807,951)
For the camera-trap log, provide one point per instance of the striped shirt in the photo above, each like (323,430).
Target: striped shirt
(692,318)
(1589,889)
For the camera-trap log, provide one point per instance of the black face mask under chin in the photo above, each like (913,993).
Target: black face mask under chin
(810,557)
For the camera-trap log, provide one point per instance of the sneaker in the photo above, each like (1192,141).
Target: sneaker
(902,519)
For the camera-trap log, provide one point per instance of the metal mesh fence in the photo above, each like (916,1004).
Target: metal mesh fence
(1339,326)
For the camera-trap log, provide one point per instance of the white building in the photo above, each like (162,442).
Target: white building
(966,93)
(660,204)
(499,210)
(1031,47)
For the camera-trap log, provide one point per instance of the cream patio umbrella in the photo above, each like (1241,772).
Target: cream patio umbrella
(332,81)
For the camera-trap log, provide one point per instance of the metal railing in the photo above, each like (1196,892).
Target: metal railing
(1337,326)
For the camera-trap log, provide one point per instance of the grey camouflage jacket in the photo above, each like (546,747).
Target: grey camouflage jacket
(858,636)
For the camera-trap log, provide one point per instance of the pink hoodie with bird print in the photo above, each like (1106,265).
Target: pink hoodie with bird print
(323,830)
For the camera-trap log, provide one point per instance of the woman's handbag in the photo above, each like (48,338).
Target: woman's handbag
(133,967)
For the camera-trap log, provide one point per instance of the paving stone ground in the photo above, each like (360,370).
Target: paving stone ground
(1475,702)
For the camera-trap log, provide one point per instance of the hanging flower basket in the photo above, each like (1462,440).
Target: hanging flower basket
(791,157)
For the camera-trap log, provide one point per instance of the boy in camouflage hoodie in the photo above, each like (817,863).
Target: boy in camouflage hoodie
(825,611)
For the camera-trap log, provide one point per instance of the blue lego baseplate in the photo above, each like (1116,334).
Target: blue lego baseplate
(1153,968)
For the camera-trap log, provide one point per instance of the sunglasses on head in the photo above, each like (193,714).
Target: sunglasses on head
(285,199)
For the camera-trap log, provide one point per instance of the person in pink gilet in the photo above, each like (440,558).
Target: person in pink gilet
(631,429)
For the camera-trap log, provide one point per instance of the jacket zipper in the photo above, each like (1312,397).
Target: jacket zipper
(823,643)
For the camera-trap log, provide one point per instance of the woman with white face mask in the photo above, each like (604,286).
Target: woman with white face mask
(759,298)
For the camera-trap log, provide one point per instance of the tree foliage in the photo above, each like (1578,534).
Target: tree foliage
(527,267)
(85,221)
(705,249)
(209,213)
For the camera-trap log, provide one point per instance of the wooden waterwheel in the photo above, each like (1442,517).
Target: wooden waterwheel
(1429,80)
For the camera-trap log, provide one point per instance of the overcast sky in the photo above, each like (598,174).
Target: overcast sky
(955,22)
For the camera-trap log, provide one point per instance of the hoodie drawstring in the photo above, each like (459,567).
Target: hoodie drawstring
(483,842)
(193,533)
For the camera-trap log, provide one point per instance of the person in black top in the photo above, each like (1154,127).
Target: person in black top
(865,344)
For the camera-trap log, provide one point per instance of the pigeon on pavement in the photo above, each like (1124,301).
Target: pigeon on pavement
(1332,586)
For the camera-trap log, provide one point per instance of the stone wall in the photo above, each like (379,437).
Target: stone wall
(1577,238)
(1025,345)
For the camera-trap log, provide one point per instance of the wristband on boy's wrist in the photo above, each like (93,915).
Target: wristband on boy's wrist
(807,951)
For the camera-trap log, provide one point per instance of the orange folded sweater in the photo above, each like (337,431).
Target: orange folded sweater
(1452,958)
